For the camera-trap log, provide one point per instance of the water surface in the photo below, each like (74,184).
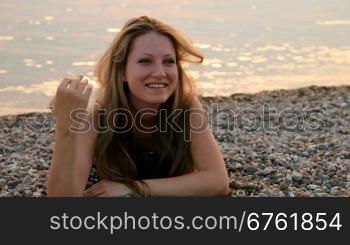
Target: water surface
(248,46)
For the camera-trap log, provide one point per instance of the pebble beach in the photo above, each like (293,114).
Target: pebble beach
(282,143)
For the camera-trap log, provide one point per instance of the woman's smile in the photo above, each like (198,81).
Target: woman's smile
(156,85)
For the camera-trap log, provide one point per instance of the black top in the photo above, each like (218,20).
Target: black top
(148,166)
(146,158)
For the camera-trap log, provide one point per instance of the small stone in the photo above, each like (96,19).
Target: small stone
(339,173)
(322,146)
(263,195)
(42,164)
(284,186)
(342,184)
(241,193)
(289,178)
(36,194)
(2,182)
(329,186)
(250,169)
(265,171)
(14,183)
(324,177)
(250,185)
(296,176)
(320,194)
(334,191)
(320,172)
(26,180)
(332,167)
(312,187)
(306,181)
(235,184)
(295,158)
(28,192)
(305,154)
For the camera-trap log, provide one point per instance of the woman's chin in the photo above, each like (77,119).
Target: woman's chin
(155,103)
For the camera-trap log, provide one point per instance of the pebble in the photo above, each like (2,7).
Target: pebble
(323,146)
(262,162)
(332,167)
(265,171)
(28,192)
(334,191)
(250,169)
(296,176)
(289,178)
(312,187)
(305,154)
(26,180)
(2,182)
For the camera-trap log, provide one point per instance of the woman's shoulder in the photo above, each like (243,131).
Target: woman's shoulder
(196,103)
(198,118)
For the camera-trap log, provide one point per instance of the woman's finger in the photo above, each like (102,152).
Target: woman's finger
(88,91)
(96,188)
(93,187)
(73,84)
(64,84)
(75,81)
(93,193)
(82,85)
(103,194)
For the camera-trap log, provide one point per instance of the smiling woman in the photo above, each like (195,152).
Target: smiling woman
(135,149)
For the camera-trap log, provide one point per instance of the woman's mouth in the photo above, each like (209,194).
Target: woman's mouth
(156,85)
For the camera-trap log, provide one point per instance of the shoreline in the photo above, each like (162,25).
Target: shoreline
(307,159)
(248,95)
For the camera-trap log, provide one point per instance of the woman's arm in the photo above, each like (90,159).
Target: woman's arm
(71,164)
(73,151)
(210,179)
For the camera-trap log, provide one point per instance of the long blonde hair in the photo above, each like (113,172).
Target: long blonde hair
(120,166)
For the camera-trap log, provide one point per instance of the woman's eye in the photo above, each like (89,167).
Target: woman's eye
(144,61)
(170,61)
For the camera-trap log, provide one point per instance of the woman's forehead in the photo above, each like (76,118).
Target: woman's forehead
(153,44)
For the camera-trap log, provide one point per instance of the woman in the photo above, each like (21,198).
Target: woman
(147,135)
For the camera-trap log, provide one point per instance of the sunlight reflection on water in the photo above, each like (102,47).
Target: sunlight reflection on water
(247,47)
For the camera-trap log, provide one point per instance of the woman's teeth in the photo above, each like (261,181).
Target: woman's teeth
(156,85)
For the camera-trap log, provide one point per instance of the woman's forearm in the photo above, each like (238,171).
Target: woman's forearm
(62,178)
(200,183)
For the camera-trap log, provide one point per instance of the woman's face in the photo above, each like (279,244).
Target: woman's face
(151,71)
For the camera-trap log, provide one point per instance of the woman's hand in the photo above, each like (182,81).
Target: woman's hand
(106,188)
(71,95)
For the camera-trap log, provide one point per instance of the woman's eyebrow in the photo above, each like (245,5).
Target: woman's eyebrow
(153,55)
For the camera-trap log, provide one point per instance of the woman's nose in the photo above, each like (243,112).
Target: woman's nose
(159,70)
